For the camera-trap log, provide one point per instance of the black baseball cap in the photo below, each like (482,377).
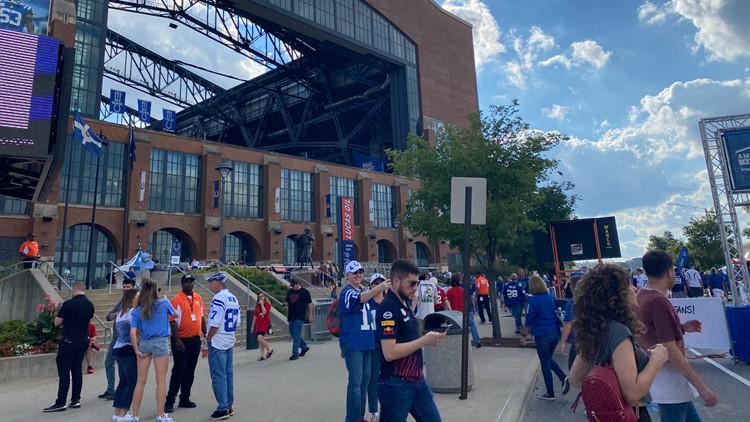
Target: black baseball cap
(187,277)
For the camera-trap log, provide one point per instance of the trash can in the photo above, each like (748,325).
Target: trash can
(251,339)
(442,363)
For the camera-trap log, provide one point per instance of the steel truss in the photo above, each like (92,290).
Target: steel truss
(725,199)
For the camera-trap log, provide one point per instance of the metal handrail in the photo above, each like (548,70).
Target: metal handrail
(114,267)
(249,283)
(12,269)
(107,330)
(60,280)
(321,291)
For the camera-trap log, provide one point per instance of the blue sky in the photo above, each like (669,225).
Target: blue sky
(626,80)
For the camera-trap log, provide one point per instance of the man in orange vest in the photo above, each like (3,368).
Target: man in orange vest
(29,251)
(483,297)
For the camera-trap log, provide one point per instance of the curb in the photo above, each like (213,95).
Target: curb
(514,409)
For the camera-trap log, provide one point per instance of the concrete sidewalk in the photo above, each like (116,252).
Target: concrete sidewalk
(312,388)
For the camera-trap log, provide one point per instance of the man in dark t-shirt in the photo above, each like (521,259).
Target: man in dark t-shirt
(74,316)
(402,388)
(298,302)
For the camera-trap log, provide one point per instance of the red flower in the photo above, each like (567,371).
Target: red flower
(40,308)
(47,297)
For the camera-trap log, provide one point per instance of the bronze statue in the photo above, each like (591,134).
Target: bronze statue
(304,247)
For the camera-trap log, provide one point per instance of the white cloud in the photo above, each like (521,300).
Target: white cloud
(527,51)
(486,30)
(722,29)
(556,112)
(582,52)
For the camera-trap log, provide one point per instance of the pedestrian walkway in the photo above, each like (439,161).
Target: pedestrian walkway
(310,389)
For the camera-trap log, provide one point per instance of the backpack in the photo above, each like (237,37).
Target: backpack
(602,396)
(334,319)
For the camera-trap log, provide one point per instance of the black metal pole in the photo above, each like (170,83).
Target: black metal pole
(466,255)
(63,249)
(126,186)
(92,256)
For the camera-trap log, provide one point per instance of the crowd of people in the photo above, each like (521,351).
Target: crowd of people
(613,317)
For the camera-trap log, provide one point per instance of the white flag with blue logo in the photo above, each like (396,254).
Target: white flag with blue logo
(82,132)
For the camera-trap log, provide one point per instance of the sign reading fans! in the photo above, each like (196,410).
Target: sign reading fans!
(347,228)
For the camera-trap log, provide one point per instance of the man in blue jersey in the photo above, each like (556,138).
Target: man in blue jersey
(524,280)
(402,389)
(679,290)
(515,296)
(15,16)
(224,317)
(357,337)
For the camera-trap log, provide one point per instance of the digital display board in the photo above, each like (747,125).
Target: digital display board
(736,143)
(27,93)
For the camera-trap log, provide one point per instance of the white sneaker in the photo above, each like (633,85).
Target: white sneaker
(374,417)
(164,418)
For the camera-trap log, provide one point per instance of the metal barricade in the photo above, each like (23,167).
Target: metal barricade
(319,326)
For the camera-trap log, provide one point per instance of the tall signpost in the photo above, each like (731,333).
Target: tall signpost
(468,206)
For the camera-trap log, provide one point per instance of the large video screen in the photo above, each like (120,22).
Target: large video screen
(736,144)
(27,93)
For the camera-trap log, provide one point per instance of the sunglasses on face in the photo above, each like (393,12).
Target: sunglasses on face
(414,283)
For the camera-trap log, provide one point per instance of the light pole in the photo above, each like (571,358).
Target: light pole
(224,169)
(396,224)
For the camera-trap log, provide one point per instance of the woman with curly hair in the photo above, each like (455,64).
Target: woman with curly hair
(542,322)
(606,329)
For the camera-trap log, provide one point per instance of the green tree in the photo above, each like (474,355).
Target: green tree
(500,148)
(666,242)
(704,240)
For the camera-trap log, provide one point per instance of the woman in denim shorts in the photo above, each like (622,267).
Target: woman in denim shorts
(149,335)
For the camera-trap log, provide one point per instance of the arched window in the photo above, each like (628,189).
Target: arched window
(421,254)
(384,252)
(75,254)
(161,245)
(238,247)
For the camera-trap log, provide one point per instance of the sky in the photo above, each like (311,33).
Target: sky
(627,81)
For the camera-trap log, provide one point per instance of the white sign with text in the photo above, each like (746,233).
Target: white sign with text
(710,312)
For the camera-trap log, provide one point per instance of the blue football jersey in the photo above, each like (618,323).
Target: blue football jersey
(357,320)
(12,16)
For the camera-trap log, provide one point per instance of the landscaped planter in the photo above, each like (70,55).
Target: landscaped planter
(38,366)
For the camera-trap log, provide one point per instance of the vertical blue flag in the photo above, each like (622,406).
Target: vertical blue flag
(168,123)
(682,258)
(144,111)
(116,101)
(82,132)
(132,146)
(216,193)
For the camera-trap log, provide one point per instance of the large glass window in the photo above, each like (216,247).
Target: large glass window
(384,252)
(75,254)
(421,256)
(161,246)
(174,181)
(243,192)
(382,196)
(89,56)
(13,206)
(237,247)
(290,252)
(345,17)
(341,187)
(363,23)
(112,168)
(296,195)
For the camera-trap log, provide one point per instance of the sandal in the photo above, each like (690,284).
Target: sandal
(261,358)
(268,355)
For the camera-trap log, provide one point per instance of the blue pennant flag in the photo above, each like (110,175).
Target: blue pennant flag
(82,132)
(144,111)
(132,147)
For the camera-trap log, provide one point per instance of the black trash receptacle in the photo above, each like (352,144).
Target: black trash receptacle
(251,339)
(442,363)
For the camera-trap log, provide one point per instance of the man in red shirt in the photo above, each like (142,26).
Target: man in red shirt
(186,332)
(671,388)
(441,300)
(455,295)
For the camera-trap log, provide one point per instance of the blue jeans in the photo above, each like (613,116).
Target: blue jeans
(127,368)
(358,364)
(399,398)
(295,330)
(516,311)
(221,367)
(372,388)
(473,329)
(109,368)
(680,412)
(545,347)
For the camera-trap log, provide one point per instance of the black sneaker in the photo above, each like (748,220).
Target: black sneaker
(566,386)
(479,345)
(220,415)
(304,351)
(547,397)
(75,404)
(187,404)
(107,396)
(231,411)
(294,357)
(169,407)
(55,408)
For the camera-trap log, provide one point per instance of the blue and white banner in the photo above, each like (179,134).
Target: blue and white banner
(348,250)
(169,121)
(328,206)
(216,193)
(116,101)
(144,111)
(83,133)
(370,163)
(174,256)
(682,258)
(737,151)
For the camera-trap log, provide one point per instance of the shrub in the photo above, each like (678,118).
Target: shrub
(43,329)
(13,332)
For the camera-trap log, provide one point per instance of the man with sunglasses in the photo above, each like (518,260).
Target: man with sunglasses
(402,388)
(357,337)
